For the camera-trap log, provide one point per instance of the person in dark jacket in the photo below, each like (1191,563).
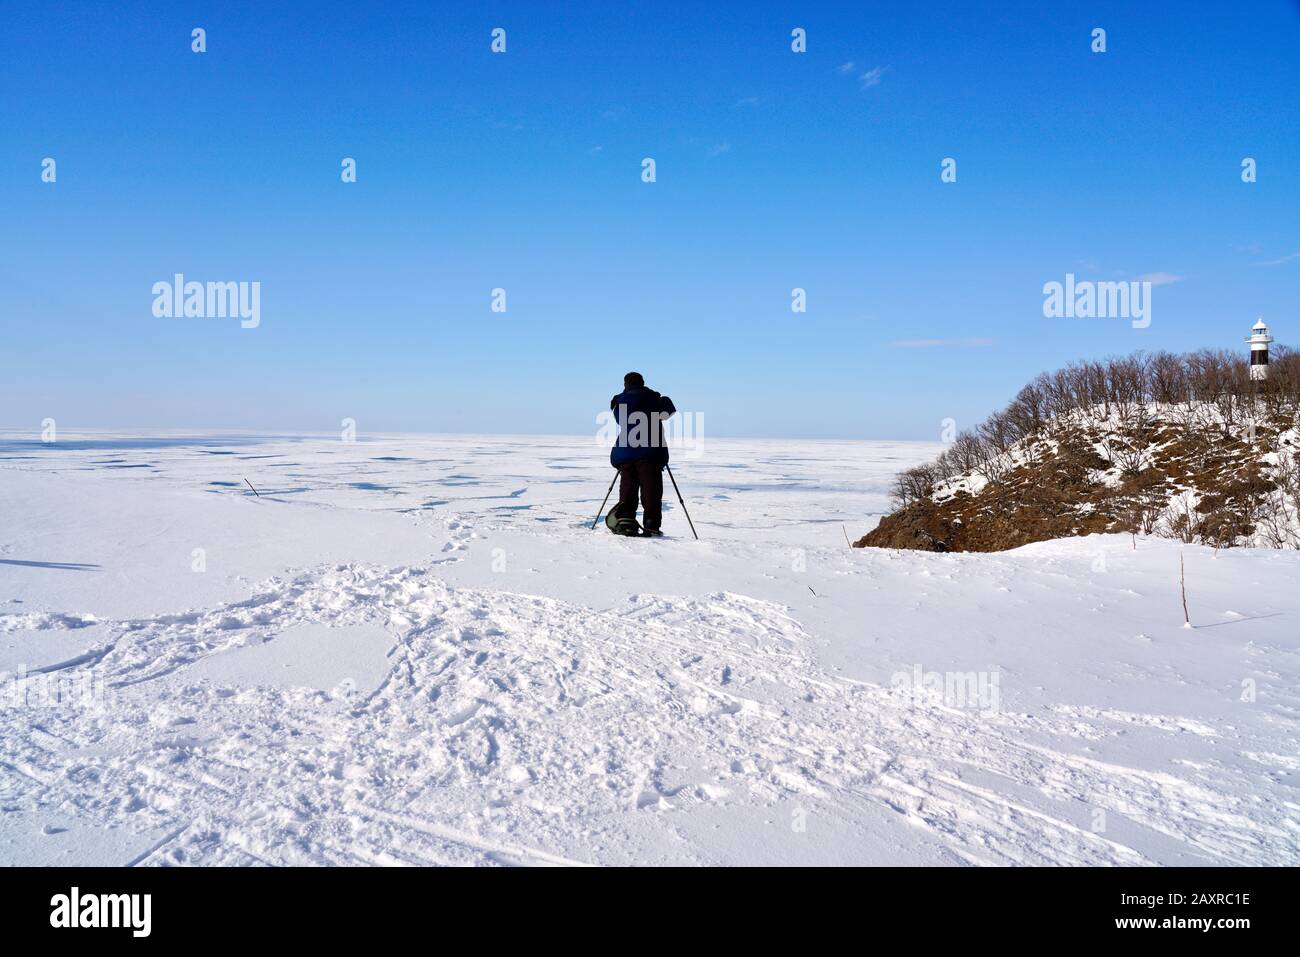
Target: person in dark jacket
(641,452)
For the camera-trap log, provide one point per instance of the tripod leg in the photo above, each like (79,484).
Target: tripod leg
(602,504)
(683,504)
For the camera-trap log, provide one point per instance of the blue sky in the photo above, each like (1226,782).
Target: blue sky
(522,170)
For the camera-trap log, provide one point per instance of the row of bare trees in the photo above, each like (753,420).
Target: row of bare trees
(1126,388)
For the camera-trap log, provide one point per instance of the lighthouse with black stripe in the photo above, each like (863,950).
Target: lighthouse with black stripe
(1259,340)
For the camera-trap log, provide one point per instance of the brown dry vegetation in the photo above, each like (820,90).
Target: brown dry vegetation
(1116,446)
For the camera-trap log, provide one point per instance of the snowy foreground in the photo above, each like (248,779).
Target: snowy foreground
(413,650)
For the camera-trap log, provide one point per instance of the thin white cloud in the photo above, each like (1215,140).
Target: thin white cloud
(720,149)
(970,343)
(872,77)
(749,101)
(1160,278)
(1280,261)
(846,68)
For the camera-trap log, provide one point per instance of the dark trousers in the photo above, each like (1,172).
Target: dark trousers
(647,477)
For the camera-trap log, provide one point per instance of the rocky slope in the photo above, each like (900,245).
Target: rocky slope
(1181,471)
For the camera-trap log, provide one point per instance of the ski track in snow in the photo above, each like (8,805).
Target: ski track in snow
(544,715)
(513,728)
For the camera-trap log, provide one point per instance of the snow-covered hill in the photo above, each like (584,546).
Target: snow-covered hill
(1184,471)
(414,650)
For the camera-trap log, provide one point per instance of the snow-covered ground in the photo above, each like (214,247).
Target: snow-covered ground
(415,650)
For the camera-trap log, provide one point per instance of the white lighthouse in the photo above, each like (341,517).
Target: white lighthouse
(1259,340)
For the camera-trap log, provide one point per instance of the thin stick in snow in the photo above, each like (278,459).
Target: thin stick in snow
(846,536)
(1182,582)
(250,485)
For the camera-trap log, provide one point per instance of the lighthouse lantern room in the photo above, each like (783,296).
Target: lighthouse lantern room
(1259,340)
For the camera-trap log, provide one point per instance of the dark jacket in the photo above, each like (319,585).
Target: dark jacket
(640,414)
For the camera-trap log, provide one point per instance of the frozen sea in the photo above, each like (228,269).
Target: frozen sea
(236,650)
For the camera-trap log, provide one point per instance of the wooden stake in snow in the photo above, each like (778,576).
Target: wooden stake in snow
(846,536)
(250,485)
(1182,582)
